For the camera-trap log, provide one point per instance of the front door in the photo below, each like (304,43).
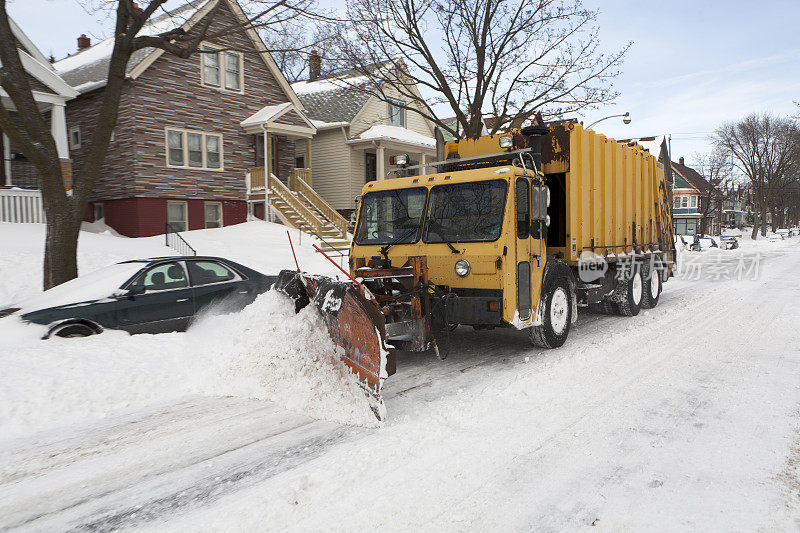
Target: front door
(165,305)
(371,167)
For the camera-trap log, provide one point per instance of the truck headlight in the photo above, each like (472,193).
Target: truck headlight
(506,141)
(462,267)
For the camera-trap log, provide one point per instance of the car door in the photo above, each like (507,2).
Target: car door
(165,305)
(216,284)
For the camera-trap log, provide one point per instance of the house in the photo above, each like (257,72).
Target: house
(51,93)
(736,208)
(189,130)
(358,134)
(697,204)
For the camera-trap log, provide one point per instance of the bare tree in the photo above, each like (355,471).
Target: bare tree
(717,169)
(292,44)
(764,148)
(64,209)
(509,59)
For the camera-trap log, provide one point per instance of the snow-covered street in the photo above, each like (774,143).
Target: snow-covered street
(686,417)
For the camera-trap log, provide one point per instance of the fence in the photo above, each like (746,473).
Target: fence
(21,205)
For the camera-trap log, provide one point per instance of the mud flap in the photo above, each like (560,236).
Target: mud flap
(355,324)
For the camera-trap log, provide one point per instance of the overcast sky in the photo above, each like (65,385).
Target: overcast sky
(693,64)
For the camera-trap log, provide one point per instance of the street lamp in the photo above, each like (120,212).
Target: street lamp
(626,118)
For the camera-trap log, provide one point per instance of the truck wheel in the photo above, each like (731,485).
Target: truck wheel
(556,316)
(651,279)
(629,292)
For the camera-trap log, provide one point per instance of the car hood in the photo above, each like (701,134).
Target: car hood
(89,288)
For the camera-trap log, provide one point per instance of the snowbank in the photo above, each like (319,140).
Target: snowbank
(264,352)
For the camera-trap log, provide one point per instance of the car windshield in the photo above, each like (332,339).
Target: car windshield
(391,217)
(466,212)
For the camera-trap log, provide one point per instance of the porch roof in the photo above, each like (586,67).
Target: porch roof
(267,119)
(395,135)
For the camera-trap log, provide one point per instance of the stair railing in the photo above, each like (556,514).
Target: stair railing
(297,184)
(283,192)
(174,240)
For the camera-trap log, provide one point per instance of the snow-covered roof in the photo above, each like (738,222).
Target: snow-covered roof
(88,69)
(396,133)
(322,125)
(265,114)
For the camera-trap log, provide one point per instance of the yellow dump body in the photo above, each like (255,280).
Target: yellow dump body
(609,197)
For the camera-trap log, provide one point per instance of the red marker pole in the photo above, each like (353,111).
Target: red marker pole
(346,273)
(292,246)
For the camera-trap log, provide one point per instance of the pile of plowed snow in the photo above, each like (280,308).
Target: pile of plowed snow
(266,352)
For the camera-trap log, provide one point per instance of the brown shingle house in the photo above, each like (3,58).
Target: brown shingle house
(188,129)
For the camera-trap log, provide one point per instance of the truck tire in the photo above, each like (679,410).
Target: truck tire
(651,284)
(629,292)
(556,315)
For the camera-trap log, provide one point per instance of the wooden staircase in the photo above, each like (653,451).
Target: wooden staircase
(299,206)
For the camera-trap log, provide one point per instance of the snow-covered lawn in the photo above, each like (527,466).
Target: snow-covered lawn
(686,417)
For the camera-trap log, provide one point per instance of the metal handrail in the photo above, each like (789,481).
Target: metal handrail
(174,240)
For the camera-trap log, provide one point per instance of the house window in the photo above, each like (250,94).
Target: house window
(693,202)
(75,138)
(194,149)
(684,201)
(221,69)
(176,216)
(233,71)
(396,113)
(213,214)
(99,211)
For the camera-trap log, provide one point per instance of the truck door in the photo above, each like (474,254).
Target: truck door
(530,229)
(522,194)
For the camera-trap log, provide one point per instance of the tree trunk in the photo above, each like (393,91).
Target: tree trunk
(756,219)
(61,250)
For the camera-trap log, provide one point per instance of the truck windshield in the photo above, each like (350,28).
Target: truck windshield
(466,212)
(391,216)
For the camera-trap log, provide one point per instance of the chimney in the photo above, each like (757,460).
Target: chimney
(84,42)
(314,65)
(136,11)
(680,160)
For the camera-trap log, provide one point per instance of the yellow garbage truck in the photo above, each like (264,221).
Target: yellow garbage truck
(515,230)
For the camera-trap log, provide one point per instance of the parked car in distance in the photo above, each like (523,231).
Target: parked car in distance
(142,296)
(729,242)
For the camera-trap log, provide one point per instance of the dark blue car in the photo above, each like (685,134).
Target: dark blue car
(143,296)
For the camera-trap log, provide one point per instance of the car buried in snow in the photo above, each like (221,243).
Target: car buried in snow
(142,296)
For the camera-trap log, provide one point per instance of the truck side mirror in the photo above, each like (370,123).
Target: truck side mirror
(540,200)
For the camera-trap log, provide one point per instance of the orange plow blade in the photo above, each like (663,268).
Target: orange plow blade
(355,324)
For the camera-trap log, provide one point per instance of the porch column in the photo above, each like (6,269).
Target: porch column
(7,158)
(380,170)
(267,164)
(308,155)
(422,161)
(58,129)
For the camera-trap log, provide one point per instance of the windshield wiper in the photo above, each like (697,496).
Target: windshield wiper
(385,249)
(440,233)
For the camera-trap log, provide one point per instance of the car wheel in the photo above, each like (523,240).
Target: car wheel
(651,279)
(71,330)
(629,292)
(556,316)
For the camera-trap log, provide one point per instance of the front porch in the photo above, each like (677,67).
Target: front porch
(377,154)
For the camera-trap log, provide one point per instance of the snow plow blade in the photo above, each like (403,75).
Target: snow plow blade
(355,324)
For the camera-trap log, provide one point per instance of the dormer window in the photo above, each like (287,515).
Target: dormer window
(396,113)
(221,69)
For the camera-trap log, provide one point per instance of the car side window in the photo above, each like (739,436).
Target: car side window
(163,277)
(207,272)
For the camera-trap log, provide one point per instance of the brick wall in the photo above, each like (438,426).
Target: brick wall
(145,217)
